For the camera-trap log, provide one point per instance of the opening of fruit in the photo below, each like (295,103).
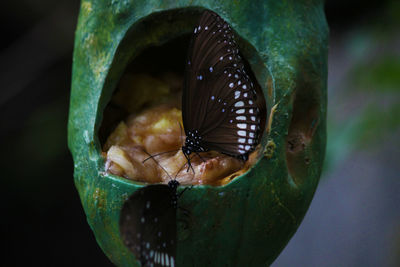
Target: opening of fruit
(142,131)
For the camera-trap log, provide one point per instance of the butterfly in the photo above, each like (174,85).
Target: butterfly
(219,107)
(148,224)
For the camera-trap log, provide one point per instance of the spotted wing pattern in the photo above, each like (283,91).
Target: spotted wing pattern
(219,99)
(148,225)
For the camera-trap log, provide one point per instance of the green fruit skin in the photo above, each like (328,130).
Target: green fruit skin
(249,221)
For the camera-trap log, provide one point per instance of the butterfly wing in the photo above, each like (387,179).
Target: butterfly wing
(148,225)
(219,99)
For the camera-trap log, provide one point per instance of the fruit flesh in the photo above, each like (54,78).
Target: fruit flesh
(146,146)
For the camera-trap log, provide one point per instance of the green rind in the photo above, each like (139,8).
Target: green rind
(249,221)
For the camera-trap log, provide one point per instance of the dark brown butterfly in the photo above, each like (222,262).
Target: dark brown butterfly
(148,224)
(219,99)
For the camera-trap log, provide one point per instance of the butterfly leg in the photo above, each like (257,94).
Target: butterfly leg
(185,212)
(189,164)
(244,157)
(200,157)
(181,193)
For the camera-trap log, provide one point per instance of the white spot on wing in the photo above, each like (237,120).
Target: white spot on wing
(241,125)
(241,133)
(237,94)
(239,104)
(242,140)
(231,85)
(240,111)
(241,118)
(253,127)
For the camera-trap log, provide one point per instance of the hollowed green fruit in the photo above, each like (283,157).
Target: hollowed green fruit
(250,220)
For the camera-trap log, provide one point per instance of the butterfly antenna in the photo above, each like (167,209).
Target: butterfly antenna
(176,175)
(156,155)
(180,169)
(159,164)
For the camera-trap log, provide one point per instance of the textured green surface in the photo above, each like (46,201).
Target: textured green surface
(249,221)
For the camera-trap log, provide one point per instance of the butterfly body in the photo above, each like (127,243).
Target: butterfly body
(173,187)
(219,106)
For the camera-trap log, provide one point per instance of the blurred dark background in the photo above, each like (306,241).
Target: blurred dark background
(354,219)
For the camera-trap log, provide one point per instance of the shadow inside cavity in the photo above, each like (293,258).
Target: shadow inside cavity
(305,120)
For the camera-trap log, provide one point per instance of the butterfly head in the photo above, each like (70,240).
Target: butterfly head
(173,184)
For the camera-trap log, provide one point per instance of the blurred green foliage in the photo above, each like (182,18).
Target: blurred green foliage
(364,110)
(382,76)
(379,82)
